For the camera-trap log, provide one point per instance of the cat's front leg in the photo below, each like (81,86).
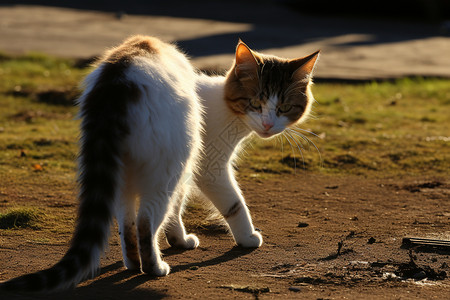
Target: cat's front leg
(224,193)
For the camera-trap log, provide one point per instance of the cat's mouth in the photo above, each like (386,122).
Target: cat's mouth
(265,134)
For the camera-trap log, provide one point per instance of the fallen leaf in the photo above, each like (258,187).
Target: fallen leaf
(38,167)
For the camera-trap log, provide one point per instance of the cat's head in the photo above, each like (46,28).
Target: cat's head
(267,92)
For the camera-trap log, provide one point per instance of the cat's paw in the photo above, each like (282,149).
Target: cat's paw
(160,269)
(132,265)
(255,240)
(190,241)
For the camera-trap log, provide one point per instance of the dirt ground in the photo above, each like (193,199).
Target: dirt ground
(325,237)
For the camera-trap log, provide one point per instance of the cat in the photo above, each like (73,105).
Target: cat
(152,127)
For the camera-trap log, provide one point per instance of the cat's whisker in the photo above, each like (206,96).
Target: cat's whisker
(299,147)
(312,114)
(304,130)
(302,136)
(281,142)
(289,137)
(293,152)
(309,141)
(298,136)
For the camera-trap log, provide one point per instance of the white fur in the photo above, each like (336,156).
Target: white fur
(224,131)
(162,148)
(256,120)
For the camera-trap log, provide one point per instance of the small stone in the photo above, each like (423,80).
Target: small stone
(332,187)
(302,224)
(351,234)
(294,289)
(371,240)
(420,275)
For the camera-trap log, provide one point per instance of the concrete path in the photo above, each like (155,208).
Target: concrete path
(351,48)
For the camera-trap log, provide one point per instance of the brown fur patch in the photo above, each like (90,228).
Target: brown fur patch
(300,99)
(133,47)
(131,246)
(146,246)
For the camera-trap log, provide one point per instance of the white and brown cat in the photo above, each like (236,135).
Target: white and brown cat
(152,127)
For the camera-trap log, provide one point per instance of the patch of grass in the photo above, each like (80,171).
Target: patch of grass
(32,89)
(372,129)
(20,218)
(37,72)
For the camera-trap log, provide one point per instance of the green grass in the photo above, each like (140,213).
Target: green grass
(374,129)
(20,218)
(37,113)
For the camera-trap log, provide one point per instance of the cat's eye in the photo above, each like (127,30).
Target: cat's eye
(284,108)
(254,103)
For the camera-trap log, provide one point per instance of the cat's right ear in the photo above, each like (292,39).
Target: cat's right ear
(303,68)
(246,64)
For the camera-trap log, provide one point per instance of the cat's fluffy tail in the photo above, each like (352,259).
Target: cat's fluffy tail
(104,127)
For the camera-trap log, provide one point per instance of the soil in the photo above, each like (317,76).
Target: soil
(325,237)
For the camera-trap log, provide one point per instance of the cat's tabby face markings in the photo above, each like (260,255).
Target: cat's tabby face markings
(268,92)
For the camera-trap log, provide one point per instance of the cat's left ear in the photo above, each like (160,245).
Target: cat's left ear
(302,68)
(246,64)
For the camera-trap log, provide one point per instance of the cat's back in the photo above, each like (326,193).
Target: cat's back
(159,82)
(143,60)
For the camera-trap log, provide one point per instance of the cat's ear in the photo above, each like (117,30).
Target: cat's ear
(302,68)
(246,64)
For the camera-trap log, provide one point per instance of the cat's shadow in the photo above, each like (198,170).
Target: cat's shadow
(231,254)
(126,281)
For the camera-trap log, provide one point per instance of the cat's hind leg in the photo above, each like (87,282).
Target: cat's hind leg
(152,214)
(126,218)
(175,230)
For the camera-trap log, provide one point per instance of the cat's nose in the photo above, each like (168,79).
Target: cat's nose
(267,125)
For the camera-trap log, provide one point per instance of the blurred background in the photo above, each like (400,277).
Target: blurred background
(359,40)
